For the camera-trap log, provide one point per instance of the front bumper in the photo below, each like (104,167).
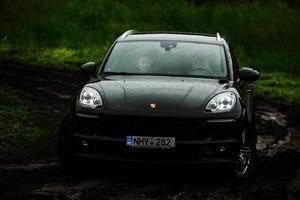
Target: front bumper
(197,140)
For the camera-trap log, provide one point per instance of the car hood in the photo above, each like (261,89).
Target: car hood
(171,96)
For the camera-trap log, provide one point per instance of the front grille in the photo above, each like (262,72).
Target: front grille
(181,128)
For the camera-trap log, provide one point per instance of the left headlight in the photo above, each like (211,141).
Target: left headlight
(221,103)
(89,97)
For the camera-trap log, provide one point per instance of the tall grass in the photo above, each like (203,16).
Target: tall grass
(265,36)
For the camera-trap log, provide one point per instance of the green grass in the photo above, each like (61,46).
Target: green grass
(265,35)
(19,134)
(279,87)
(60,58)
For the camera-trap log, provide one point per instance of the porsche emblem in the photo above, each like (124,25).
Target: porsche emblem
(152,105)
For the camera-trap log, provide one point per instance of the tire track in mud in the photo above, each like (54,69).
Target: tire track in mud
(50,92)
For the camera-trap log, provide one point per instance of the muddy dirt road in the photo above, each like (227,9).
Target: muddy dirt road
(50,92)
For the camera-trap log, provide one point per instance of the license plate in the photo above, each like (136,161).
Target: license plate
(150,142)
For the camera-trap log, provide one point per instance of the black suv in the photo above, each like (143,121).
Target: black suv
(164,97)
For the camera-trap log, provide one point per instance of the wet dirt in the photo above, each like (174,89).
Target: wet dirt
(42,177)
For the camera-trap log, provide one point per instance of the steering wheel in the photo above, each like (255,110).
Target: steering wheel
(198,69)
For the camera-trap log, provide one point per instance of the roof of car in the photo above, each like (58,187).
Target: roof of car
(132,35)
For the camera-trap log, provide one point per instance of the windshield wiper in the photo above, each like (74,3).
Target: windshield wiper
(221,81)
(119,73)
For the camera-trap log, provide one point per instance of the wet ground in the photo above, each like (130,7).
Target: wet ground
(42,177)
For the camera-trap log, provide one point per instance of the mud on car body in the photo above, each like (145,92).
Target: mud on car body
(167,98)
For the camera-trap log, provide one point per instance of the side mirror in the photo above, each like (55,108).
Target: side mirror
(248,74)
(88,68)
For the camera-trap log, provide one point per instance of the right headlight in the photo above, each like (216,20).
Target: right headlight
(221,103)
(90,97)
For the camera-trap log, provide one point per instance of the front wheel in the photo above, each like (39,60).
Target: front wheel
(245,161)
(65,147)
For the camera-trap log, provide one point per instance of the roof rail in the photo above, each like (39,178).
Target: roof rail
(218,37)
(129,32)
(174,32)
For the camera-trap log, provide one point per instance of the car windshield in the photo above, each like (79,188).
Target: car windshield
(170,58)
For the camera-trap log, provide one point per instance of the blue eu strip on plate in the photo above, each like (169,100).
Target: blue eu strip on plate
(129,141)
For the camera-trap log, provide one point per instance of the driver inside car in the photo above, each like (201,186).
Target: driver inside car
(200,65)
(144,64)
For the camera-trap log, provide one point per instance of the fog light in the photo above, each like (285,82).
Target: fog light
(84,143)
(222,149)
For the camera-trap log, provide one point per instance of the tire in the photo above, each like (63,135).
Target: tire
(245,162)
(65,147)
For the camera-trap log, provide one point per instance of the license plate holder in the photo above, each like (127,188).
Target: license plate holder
(150,142)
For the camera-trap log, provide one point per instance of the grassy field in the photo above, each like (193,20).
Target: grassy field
(279,87)
(64,34)
(61,33)
(19,133)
